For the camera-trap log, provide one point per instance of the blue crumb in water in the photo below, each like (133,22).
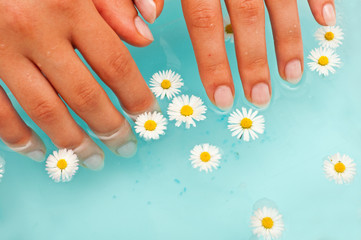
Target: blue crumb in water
(176,181)
(149,203)
(114,197)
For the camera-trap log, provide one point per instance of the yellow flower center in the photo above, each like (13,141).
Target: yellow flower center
(62,164)
(267,223)
(150,125)
(329,36)
(340,167)
(246,123)
(228,29)
(166,84)
(205,157)
(323,60)
(186,110)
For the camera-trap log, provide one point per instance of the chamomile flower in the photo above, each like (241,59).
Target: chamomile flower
(341,169)
(2,168)
(166,83)
(150,125)
(185,109)
(228,31)
(246,124)
(324,60)
(205,157)
(62,165)
(267,223)
(330,36)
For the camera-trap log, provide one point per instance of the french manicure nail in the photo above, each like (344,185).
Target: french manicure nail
(260,95)
(94,162)
(148,9)
(223,97)
(128,149)
(36,155)
(329,14)
(293,71)
(142,28)
(154,107)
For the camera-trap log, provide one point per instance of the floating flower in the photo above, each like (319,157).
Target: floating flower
(186,109)
(166,83)
(330,36)
(228,31)
(62,165)
(267,223)
(205,157)
(150,125)
(340,169)
(2,168)
(324,60)
(245,124)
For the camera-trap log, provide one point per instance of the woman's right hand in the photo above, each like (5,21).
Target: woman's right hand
(38,64)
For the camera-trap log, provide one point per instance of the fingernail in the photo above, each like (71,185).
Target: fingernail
(223,97)
(90,154)
(122,142)
(142,28)
(128,149)
(148,9)
(260,95)
(34,148)
(154,107)
(329,14)
(94,162)
(293,71)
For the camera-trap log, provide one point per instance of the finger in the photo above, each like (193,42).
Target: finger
(248,21)
(205,25)
(122,16)
(323,11)
(112,61)
(40,101)
(74,82)
(287,38)
(150,9)
(16,134)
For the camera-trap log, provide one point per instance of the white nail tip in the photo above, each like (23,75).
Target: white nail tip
(36,155)
(94,162)
(127,150)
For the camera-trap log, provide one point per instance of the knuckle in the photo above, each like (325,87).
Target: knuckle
(120,65)
(62,4)
(249,10)
(257,64)
(44,111)
(86,98)
(289,35)
(203,17)
(18,19)
(216,69)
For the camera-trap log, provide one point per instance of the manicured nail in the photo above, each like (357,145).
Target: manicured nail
(293,71)
(152,108)
(90,154)
(34,148)
(94,162)
(223,97)
(142,28)
(260,95)
(148,9)
(329,14)
(122,142)
(128,149)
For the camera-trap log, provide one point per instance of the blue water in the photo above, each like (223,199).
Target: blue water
(158,195)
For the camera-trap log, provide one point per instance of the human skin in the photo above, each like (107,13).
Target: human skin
(205,25)
(38,64)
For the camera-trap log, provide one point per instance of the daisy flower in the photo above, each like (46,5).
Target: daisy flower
(150,125)
(341,169)
(246,124)
(330,36)
(185,109)
(205,157)
(267,223)
(324,60)
(2,168)
(166,83)
(228,31)
(62,165)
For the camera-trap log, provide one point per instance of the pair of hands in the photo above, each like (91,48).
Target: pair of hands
(38,63)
